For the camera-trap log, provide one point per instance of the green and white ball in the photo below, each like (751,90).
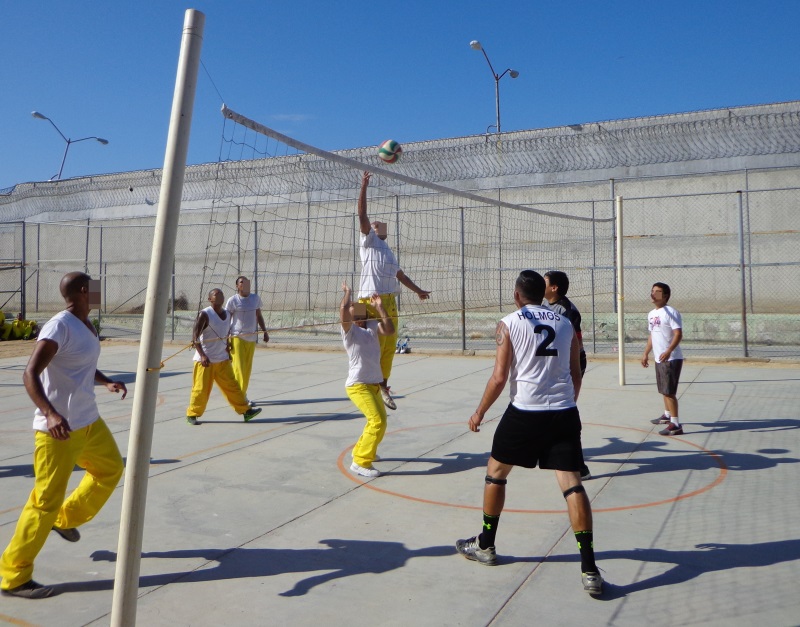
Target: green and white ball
(389,151)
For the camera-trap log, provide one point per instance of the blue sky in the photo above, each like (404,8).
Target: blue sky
(353,73)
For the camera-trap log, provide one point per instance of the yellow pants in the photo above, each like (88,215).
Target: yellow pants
(242,353)
(388,342)
(203,379)
(92,448)
(369,402)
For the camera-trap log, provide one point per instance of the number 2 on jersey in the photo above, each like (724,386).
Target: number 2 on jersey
(549,334)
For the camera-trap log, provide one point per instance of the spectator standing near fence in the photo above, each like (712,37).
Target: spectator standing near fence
(666,332)
(60,379)
(380,274)
(245,310)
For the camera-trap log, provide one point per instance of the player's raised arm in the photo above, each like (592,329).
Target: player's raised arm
(344,308)
(363,218)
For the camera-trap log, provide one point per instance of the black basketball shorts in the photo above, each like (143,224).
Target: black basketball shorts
(550,439)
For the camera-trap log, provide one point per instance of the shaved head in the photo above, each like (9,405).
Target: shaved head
(72,283)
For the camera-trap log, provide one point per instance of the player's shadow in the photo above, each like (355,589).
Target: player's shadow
(21,470)
(289,420)
(26,470)
(449,464)
(689,564)
(300,401)
(668,461)
(340,558)
(758,426)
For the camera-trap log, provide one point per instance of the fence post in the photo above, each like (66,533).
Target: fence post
(255,259)
(499,254)
(742,273)
(23,292)
(594,265)
(613,240)
(620,294)
(463,288)
(86,258)
(38,261)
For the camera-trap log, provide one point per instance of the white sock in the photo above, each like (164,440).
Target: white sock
(666,415)
(674,420)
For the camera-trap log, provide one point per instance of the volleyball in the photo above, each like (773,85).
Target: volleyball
(389,151)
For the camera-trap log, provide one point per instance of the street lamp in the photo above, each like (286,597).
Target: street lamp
(476,45)
(39,116)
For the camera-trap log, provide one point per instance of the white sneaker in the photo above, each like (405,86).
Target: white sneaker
(364,472)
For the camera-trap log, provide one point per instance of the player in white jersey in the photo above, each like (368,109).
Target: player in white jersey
(361,341)
(666,332)
(212,362)
(245,309)
(537,349)
(380,274)
(60,379)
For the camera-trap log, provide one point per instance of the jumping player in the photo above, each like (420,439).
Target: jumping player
(538,350)
(380,273)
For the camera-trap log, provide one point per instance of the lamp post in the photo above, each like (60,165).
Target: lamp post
(476,45)
(69,142)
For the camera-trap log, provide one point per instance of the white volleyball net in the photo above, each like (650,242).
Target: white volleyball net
(285,215)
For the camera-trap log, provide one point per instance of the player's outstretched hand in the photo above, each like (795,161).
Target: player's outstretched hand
(475,422)
(375,300)
(345,287)
(424,295)
(365,178)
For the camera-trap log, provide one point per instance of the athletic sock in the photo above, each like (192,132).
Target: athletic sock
(675,420)
(667,416)
(486,539)
(586,547)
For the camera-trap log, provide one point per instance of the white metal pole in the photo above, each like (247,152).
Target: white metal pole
(126,579)
(620,295)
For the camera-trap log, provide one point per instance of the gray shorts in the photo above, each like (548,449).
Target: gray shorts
(668,373)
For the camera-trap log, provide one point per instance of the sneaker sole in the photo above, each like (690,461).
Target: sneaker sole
(473,558)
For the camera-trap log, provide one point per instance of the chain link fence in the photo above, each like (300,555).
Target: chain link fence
(732,259)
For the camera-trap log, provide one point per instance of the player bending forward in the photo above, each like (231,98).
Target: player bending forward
(539,351)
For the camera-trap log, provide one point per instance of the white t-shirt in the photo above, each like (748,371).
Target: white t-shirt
(243,315)
(540,374)
(662,324)
(379,266)
(364,350)
(68,380)
(213,339)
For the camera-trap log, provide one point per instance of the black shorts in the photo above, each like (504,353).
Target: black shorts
(668,374)
(549,439)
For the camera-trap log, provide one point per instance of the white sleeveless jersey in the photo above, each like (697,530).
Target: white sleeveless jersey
(213,337)
(540,374)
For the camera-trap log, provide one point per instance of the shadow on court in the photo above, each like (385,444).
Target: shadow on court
(709,557)
(343,558)
(26,470)
(290,420)
(449,464)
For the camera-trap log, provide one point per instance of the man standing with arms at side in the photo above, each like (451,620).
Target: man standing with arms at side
(666,332)
(60,379)
(245,310)
(538,350)
(380,273)
(555,293)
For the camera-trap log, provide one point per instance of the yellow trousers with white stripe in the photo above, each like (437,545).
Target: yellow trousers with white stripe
(388,342)
(203,380)
(242,353)
(92,448)
(369,402)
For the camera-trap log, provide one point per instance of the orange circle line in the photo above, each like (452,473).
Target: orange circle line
(723,472)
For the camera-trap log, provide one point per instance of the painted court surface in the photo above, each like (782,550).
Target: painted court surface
(261,523)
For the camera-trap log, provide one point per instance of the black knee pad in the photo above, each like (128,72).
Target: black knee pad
(490,479)
(574,490)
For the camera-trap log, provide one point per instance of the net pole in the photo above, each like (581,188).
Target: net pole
(463,288)
(620,295)
(126,578)
(742,275)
